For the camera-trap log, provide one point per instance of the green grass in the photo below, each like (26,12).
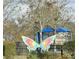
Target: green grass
(44,56)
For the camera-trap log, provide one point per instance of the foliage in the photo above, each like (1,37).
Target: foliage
(48,12)
(10,50)
(70,46)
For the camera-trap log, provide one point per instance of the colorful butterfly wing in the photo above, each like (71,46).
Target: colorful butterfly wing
(31,44)
(45,45)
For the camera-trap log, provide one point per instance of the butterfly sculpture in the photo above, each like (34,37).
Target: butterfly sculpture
(44,45)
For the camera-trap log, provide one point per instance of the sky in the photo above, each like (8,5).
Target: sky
(72,4)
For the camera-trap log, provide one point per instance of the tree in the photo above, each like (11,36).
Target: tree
(49,12)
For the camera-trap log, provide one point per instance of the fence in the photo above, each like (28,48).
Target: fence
(21,48)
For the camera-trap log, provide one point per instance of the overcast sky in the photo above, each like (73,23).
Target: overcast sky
(72,4)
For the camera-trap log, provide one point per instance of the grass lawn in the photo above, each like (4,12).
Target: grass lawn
(43,56)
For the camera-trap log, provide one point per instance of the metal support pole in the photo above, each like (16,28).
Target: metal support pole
(71,35)
(40,32)
(61,50)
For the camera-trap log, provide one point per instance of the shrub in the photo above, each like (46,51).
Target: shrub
(10,50)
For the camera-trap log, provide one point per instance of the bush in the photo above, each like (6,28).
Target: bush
(10,50)
(70,47)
